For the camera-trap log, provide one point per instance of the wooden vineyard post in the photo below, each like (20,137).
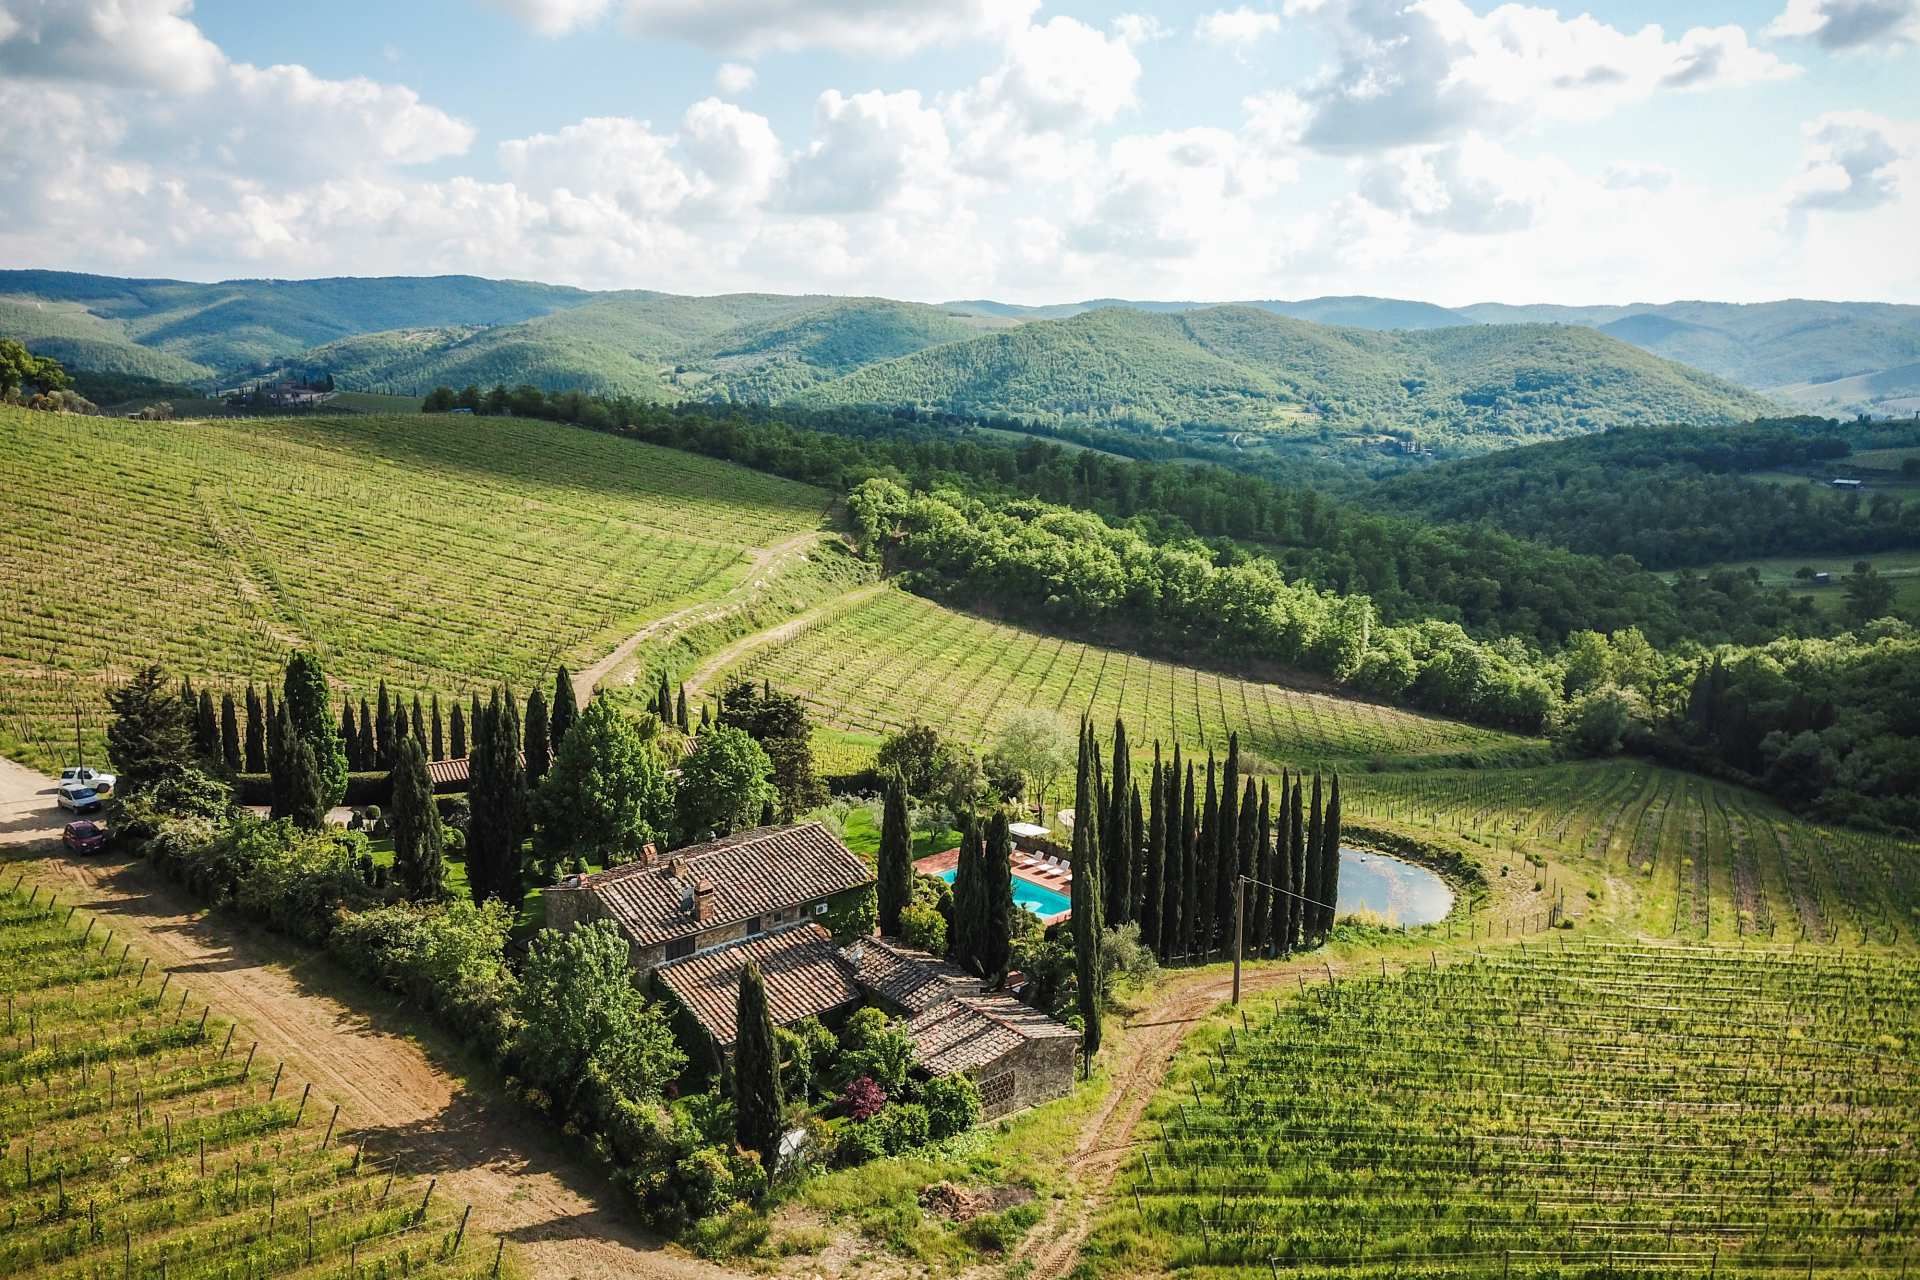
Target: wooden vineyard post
(498,1250)
(1239,931)
(461,1234)
(330,1123)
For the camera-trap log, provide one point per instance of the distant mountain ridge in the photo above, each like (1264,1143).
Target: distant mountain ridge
(407,334)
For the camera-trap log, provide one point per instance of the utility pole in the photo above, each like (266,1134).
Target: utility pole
(79,752)
(1239,930)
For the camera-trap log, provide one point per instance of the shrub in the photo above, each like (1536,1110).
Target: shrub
(859,1143)
(903,1127)
(952,1103)
(924,927)
(862,1098)
(875,1045)
(448,958)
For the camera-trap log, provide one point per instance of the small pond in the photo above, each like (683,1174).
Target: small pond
(1396,890)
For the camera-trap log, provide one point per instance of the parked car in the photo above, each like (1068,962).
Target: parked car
(84,836)
(101,781)
(78,796)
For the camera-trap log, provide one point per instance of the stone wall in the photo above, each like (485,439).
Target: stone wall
(1036,1072)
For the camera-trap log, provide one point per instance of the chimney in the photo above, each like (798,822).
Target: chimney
(648,852)
(703,901)
(677,868)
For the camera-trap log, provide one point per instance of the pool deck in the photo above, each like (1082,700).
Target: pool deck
(1047,872)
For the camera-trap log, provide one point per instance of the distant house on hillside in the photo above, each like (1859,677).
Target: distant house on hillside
(708,895)
(1848,484)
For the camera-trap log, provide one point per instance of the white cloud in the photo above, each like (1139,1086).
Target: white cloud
(555,17)
(1849,24)
(1239,29)
(871,151)
(1646,177)
(1472,186)
(734,77)
(885,27)
(1055,82)
(1434,69)
(285,116)
(149,43)
(1179,193)
(1856,162)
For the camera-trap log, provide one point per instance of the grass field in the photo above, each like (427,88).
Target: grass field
(1554,1111)
(898,658)
(144,1140)
(1670,854)
(1902,568)
(436,552)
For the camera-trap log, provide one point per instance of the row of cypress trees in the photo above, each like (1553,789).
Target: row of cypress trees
(980,933)
(1170,861)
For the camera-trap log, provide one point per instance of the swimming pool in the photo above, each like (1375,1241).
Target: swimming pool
(1037,898)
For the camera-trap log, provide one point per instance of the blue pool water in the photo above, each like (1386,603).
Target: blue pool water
(1037,898)
(1399,891)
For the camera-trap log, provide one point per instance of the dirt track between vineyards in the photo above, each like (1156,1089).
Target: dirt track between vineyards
(399,1086)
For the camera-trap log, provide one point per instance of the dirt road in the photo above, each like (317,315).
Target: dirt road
(400,1090)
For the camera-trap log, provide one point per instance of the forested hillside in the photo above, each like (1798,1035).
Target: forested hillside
(1240,367)
(1667,496)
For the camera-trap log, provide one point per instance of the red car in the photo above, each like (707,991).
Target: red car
(84,837)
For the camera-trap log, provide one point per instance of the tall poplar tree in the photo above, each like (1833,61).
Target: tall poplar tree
(996,900)
(895,881)
(1316,863)
(1116,839)
(1088,928)
(229,734)
(1297,855)
(1262,873)
(1227,844)
(1189,868)
(1330,863)
(537,749)
(256,751)
(756,1070)
(1153,888)
(418,842)
(962,934)
(1206,909)
(564,712)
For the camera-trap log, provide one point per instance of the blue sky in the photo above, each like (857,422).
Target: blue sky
(1440,149)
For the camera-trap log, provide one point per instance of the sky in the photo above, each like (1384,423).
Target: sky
(932,150)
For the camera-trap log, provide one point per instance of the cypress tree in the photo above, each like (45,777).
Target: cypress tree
(383,732)
(298,788)
(1136,848)
(349,735)
(1088,928)
(663,702)
(310,710)
(756,1070)
(419,721)
(439,737)
(1297,858)
(497,798)
(680,710)
(256,752)
(1316,862)
(565,710)
(473,721)
(271,711)
(457,734)
(188,699)
(1246,841)
(1152,887)
(229,734)
(996,901)
(1172,868)
(369,753)
(1118,853)
(539,725)
(1227,844)
(1206,908)
(1189,877)
(418,843)
(206,727)
(961,946)
(1262,872)
(706,716)
(895,883)
(1330,842)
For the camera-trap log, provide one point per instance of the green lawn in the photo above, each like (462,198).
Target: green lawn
(1901,567)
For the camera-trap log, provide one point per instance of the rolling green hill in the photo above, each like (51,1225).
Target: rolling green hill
(1243,368)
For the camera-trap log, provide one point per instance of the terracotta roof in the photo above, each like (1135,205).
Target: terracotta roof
(753,873)
(908,979)
(443,772)
(805,973)
(972,1031)
(955,1022)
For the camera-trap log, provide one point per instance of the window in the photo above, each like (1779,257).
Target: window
(754,926)
(996,1091)
(680,948)
(819,908)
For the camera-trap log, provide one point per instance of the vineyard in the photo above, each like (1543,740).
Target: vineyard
(142,1137)
(436,552)
(1687,857)
(1544,1110)
(898,658)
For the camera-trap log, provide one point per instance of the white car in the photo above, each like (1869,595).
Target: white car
(77,796)
(95,778)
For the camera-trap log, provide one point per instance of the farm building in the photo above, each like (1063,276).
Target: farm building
(1849,484)
(707,895)
(1018,1056)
